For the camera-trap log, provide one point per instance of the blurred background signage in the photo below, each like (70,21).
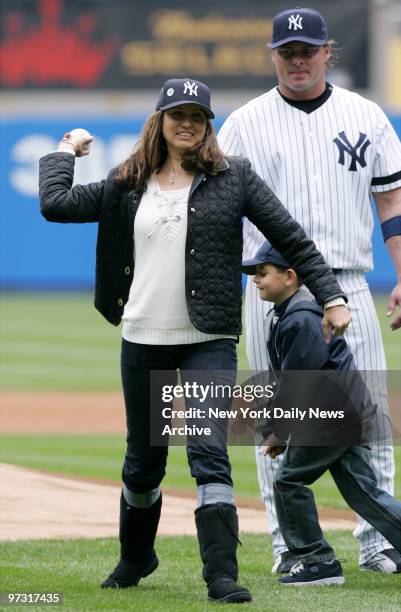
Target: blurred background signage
(125,44)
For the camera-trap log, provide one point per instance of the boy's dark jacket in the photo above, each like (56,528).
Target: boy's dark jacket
(313,374)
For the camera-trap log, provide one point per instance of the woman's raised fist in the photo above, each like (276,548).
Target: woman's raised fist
(76,141)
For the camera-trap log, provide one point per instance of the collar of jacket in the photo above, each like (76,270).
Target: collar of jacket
(134,199)
(302,295)
(201,176)
(273,319)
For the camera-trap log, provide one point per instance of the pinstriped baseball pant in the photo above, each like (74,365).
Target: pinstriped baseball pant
(365,341)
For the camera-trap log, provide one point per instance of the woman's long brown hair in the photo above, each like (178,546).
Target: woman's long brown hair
(151,153)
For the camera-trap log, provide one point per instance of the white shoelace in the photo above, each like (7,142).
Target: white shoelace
(298,567)
(167,205)
(175,218)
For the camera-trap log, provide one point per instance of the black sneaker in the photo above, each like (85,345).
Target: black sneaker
(387,561)
(284,563)
(316,574)
(127,574)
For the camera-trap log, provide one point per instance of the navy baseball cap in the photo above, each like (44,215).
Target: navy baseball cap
(266,254)
(298,24)
(184,91)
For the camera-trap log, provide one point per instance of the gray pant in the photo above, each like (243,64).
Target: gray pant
(354,477)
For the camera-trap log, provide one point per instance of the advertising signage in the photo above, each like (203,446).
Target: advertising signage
(130,44)
(35,254)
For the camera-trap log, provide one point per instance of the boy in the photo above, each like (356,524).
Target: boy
(295,341)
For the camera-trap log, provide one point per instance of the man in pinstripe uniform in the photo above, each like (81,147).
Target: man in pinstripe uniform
(324,150)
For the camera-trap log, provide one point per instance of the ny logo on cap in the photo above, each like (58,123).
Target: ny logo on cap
(191,88)
(344,146)
(296,21)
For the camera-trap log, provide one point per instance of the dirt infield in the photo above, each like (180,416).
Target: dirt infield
(92,413)
(83,507)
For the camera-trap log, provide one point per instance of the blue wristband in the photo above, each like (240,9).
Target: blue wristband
(391,227)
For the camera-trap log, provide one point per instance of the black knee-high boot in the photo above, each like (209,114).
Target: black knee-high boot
(217,526)
(138,527)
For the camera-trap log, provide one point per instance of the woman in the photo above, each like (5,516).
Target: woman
(174,210)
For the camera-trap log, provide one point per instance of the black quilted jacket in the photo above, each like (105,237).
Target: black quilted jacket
(213,251)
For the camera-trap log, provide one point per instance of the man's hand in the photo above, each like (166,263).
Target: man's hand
(273,446)
(395,300)
(335,321)
(273,451)
(76,141)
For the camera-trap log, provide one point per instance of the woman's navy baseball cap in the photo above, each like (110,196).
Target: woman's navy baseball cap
(266,254)
(184,91)
(298,24)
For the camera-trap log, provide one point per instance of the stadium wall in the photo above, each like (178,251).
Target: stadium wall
(36,255)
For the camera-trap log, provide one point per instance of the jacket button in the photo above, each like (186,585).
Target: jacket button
(192,251)
(204,179)
(193,292)
(120,302)
(127,270)
(192,210)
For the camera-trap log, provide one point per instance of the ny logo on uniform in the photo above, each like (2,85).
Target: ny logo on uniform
(344,146)
(295,22)
(191,88)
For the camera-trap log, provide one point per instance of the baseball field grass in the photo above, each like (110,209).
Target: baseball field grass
(59,341)
(76,567)
(101,457)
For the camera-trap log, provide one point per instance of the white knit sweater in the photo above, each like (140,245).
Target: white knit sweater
(156,311)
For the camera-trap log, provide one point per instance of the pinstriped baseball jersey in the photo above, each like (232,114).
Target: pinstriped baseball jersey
(322,166)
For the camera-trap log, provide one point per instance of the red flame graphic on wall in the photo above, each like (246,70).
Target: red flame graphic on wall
(50,53)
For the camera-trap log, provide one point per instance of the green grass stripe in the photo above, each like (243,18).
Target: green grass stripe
(76,567)
(59,341)
(101,456)
(63,351)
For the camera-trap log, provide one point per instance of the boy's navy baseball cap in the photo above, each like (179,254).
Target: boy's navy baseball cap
(266,254)
(184,91)
(298,24)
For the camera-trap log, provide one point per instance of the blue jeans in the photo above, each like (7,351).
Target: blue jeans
(352,473)
(145,465)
